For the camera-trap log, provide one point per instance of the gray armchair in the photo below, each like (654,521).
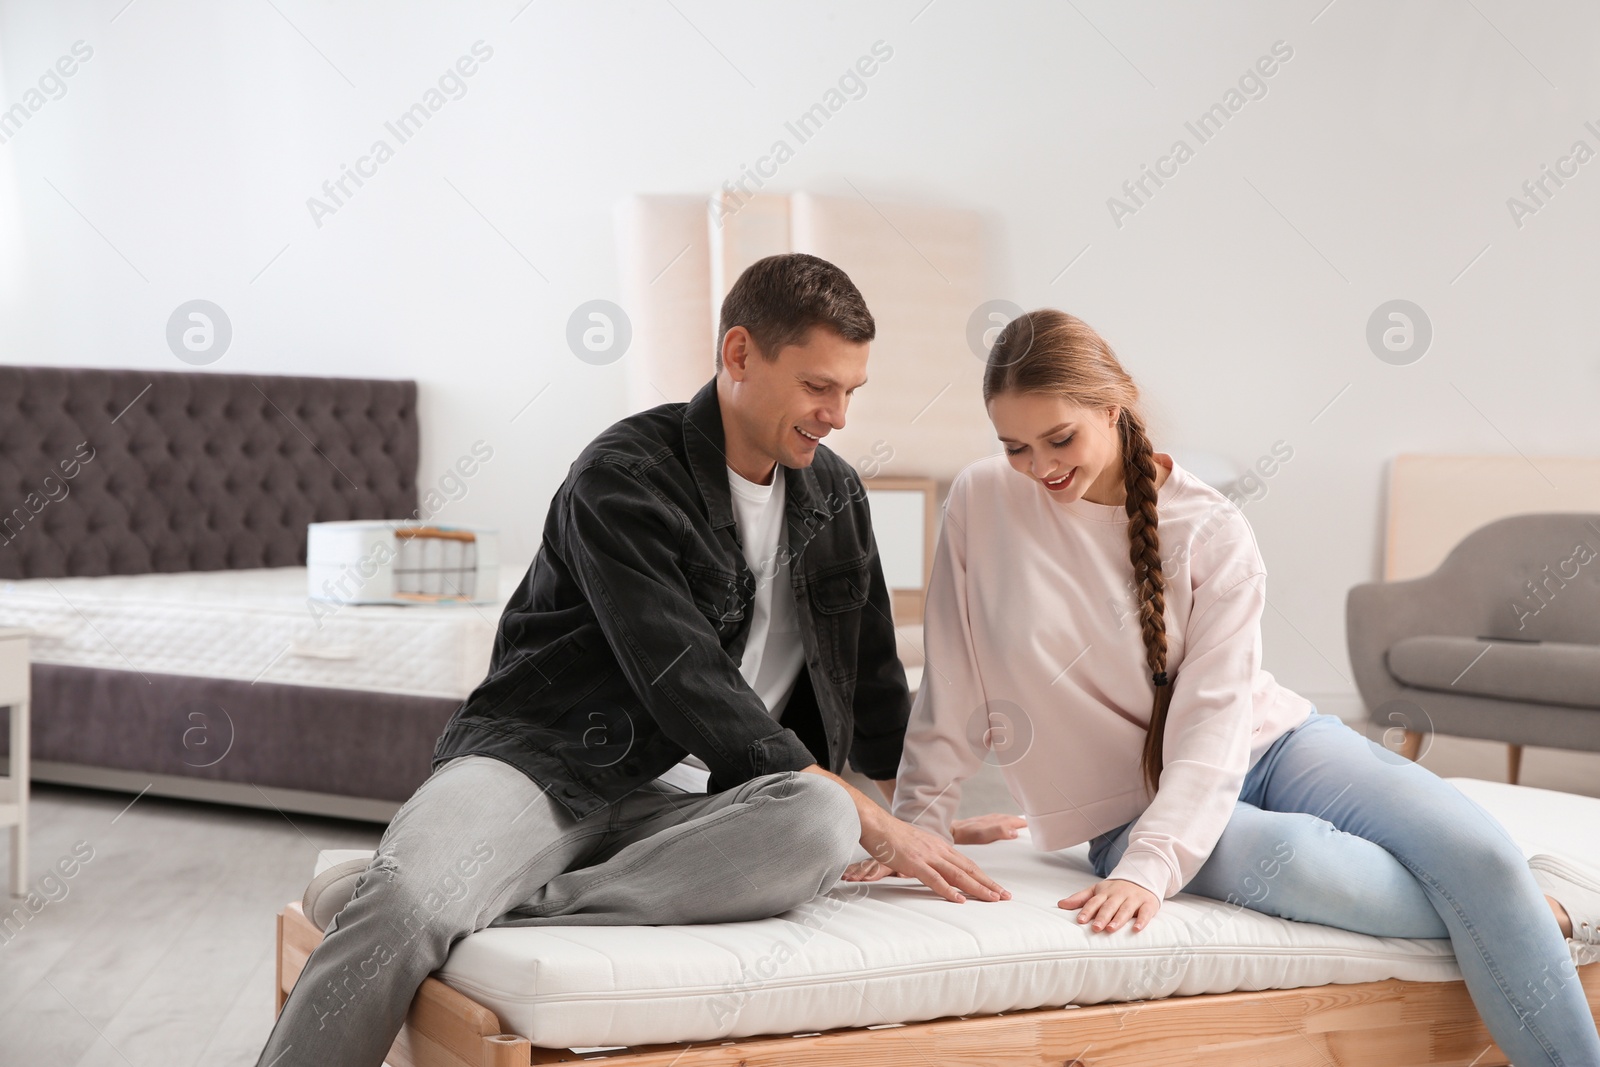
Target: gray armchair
(1501,642)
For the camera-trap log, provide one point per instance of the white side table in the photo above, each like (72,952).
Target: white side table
(14,787)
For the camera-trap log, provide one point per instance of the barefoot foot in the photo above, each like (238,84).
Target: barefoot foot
(1573,889)
(1562,918)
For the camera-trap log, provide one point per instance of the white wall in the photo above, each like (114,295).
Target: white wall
(1377,166)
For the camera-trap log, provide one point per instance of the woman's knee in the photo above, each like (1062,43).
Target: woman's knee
(1444,833)
(1477,855)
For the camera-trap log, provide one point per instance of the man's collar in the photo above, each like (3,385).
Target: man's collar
(706,446)
(800,486)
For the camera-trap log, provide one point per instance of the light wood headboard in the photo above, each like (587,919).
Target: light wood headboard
(1435,501)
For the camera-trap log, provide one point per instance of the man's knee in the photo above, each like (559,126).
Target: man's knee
(395,930)
(829,804)
(819,822)
(423,904)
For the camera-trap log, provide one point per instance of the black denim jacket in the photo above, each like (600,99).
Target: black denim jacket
(619,652)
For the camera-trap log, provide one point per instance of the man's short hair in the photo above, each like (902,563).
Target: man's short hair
(779,299)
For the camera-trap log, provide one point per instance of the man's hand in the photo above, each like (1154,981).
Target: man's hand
(910,851)
(978,830)
(915,853)
(1113,902)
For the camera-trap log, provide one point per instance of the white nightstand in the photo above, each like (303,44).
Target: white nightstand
(14,788)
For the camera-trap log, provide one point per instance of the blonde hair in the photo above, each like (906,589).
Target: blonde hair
(1050,352)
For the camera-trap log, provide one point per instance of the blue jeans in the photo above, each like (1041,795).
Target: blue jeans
(1335,829)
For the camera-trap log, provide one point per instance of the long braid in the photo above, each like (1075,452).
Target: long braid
(1144,550)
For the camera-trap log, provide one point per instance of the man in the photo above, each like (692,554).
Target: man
(702,641)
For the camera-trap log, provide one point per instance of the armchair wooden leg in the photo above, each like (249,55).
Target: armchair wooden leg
(1513,763)
(1411,747)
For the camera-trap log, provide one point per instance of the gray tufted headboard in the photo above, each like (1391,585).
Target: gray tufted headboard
(129,471)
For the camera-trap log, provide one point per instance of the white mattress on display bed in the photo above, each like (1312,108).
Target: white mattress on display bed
(890,952)
(255,625)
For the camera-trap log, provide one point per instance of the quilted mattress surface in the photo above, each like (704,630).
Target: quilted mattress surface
(255,625)
(889,952)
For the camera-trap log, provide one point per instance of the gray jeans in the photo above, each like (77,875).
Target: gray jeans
(479,844)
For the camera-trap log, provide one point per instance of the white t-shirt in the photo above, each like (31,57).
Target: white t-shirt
(773,653)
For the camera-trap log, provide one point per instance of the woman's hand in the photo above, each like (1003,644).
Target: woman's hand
(865,871)
(982,829)
(1111,903)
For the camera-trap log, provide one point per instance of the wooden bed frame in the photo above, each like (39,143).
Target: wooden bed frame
(1371,1024)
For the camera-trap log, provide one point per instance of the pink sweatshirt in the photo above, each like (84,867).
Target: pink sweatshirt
(1035,661)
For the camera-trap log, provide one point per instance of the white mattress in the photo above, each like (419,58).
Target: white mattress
(890,952)
(255,625)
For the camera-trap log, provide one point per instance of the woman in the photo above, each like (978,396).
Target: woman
(1116,676)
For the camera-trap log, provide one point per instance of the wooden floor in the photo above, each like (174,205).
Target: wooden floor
(160,951)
